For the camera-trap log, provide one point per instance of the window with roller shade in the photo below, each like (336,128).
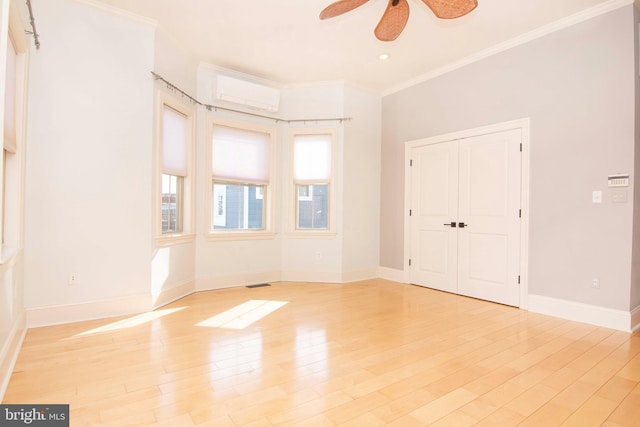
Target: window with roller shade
(240,176)
(10,99)
(313,169)
(176,142)
(11,158)
(9,134)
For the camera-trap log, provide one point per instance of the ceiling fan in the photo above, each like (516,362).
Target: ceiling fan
(396,15)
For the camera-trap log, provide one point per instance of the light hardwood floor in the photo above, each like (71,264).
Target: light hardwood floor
(362,354)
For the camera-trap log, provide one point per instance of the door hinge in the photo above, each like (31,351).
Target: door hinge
(410,212)
(409,262)
(520,213)
(521,147)
(411,162)
(518,280)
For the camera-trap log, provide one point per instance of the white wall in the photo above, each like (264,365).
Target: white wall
(361,183)
(88,198)
(174,62)
(577,87)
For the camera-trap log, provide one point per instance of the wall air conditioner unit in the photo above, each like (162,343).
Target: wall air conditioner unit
(242,92)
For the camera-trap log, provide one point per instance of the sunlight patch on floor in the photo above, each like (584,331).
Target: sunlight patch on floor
(131,321)
(243,315)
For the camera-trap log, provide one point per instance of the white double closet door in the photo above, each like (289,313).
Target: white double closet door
(465,216)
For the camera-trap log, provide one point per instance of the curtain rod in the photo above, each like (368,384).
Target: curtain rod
(216,108)
(33,26)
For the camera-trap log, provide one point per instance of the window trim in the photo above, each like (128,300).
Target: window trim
(12,164)
(269,231)
(188,210)
(332,182)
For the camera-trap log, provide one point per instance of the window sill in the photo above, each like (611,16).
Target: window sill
(312,234)
(238,235)
(8,254)
(174,239)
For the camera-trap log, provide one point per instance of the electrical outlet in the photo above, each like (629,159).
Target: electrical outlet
(595,284)
(73,278)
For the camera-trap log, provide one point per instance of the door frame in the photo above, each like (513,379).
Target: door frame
(524,126)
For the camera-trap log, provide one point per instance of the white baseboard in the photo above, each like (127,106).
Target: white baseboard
(585,313)
(392,274)
(172,294)
(68,313)
(358,275)
(312,276)
(10,350)
(635,319)
(236,280)
(232,281)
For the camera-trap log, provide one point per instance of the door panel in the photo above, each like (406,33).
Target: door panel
(434,201)
(489,203)
(434,251)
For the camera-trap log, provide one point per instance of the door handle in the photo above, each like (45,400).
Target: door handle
(462,225)
(451,224)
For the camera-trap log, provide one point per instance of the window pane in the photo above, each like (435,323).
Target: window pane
(171,203)
(313,206)
(238,206)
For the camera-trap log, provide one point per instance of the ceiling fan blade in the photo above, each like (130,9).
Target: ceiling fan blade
(449,9)
(340,7)
(393,20)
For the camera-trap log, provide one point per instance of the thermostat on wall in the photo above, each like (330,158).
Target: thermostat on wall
(618,180)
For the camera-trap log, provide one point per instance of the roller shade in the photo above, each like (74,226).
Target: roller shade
(10,99)
(312,157)
(240,155)
(175,134)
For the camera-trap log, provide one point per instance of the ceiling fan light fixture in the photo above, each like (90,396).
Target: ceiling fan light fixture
(451,9)
(396,15)
(393,20)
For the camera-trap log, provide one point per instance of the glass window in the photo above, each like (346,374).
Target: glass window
(240,166)
(172,203)
(313,207)
(11,153)
(176,140)
(238,207)
(312,166)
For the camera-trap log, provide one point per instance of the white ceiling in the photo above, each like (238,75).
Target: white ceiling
(285,41)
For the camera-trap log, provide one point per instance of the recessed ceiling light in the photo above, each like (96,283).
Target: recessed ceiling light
(383,56)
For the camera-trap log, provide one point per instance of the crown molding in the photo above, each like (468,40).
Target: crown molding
(119,12)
